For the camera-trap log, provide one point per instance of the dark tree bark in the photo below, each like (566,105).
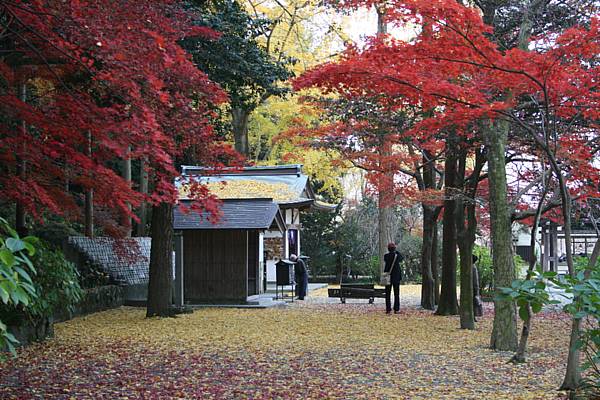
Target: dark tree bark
(435,259)
(384,191)
(466,225)
(428,300)
(161,261)
(448,303)
(428,286)
(239,122)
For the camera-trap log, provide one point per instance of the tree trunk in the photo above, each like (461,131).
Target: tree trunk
(239,122)
(448,304)
(141,226)
(504,331)
(428,285)
(466,236)
(384,199)
(127,177)
(384,217)
(20,219)
(428,300)
(434,259)
(161,261)
(89,197)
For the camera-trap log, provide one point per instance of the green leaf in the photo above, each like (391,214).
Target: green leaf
(7,257)
(523,313)
(23,274)
(536,307)
(15,245)
(3,294)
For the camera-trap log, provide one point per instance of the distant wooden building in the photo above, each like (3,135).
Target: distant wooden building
(233,259)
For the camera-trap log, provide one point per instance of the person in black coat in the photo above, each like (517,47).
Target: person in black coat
(301,275)
(392,264)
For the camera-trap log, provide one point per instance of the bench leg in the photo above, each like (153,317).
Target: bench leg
(371,300)
(343,300)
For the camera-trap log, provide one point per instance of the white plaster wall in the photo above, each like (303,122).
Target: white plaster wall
(271,277)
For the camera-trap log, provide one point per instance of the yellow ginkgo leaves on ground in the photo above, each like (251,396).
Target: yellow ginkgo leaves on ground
(309,350)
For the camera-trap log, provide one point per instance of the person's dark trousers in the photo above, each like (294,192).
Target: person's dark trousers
(301,287)
(388,294)
(305,284)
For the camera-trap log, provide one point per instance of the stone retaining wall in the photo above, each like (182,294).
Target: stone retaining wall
(94,300)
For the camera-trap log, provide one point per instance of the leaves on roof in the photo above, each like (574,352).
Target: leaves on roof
(247,189)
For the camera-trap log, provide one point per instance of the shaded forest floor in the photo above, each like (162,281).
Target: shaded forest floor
(309,350)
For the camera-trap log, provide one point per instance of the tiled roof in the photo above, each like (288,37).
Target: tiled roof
(236,214)
(125,260)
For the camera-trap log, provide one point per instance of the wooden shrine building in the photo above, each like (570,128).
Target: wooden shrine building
(231,260)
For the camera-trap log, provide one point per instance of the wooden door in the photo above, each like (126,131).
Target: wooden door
(215,266)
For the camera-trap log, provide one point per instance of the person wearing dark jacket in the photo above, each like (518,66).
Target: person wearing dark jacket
(392,265)
(301,275)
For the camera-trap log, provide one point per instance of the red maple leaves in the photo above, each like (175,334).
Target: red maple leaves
(110,69)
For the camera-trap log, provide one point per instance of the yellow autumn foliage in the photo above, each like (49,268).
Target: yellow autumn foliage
(247,189)
(308,350)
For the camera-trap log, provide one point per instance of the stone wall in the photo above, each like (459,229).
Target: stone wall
(94,300)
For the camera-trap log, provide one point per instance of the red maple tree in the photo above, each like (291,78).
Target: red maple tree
(108,75)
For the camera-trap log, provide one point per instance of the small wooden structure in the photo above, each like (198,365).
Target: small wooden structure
(220,263)
(260,225)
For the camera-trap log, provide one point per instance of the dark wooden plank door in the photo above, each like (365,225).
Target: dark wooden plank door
(215,266)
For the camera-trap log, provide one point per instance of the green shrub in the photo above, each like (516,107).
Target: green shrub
(56,284)
(16,286)
(586,306)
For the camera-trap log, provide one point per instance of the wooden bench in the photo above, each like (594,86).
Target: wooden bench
(356,291)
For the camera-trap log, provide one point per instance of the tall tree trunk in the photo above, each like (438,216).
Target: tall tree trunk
(428,300)
(127,177)
(161,261)
(466,226)
(504,331)
(20,219)
(448,303)
(384,199)
(89,197)
(435,259)
(239,122)
(428,286)
(141,226)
